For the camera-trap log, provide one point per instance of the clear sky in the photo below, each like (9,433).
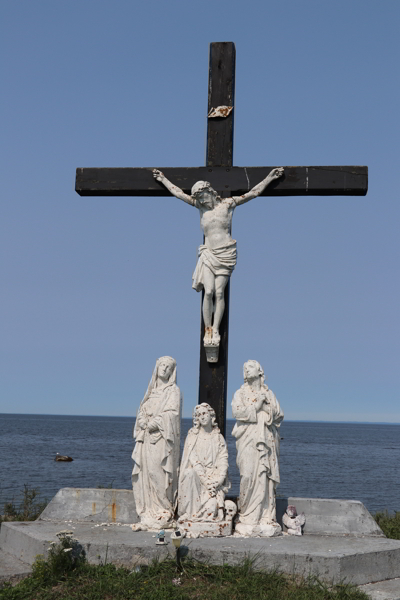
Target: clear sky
(95,289)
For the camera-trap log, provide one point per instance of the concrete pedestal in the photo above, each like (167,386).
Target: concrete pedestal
(348,546)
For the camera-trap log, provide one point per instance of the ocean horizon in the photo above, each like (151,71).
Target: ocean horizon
(133,417)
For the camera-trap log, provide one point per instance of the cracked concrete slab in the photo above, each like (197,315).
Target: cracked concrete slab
(358,560)
(383,590)
(12,569)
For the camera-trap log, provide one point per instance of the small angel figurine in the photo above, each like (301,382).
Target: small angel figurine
(294,522)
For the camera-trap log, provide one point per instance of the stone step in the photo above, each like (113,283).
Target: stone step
(12,569)
(324,516)
(357,560)
(383,590)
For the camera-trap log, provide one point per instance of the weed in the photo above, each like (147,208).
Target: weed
(106,487)
(390,524)
(28,509)
(62,558)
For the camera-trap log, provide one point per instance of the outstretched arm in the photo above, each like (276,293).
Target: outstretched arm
(259,188)
(174,189)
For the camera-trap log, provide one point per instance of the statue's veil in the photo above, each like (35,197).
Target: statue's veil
(153,380)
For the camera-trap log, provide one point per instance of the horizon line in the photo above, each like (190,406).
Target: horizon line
(133,417)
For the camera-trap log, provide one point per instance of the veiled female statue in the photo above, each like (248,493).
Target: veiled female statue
(156,453)
(258,417)
(203,479)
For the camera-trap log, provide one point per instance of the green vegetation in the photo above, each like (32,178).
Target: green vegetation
(52,580)
(390,524)
(28,509)
(62,559)
(106,487)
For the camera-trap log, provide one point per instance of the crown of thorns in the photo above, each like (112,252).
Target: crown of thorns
(199,186)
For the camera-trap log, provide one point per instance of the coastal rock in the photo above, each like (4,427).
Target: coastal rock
(60,458)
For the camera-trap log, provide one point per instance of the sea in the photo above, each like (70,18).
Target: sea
(354,461)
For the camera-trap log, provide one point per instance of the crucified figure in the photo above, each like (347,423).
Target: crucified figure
(217,256)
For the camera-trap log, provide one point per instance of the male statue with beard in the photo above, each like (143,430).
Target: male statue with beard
(217,256)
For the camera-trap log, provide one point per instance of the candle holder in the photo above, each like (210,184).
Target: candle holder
(176,538)
(161,538)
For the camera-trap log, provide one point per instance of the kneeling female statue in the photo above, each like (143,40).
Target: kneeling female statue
(203,479)
(156,452)
(258,417)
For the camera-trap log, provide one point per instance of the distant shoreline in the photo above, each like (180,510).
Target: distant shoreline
(133,417)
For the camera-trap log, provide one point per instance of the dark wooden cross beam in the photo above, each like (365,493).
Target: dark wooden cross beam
(228,181)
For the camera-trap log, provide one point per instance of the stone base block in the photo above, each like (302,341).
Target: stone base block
(262,530)
(194,529)
(93,505)
(212,352)
(324,517)
(357,560)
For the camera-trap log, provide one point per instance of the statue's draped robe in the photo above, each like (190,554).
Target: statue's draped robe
(257,444)
(199,465)
(156,455)
(220,260)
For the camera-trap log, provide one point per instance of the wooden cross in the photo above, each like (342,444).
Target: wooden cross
(228,181)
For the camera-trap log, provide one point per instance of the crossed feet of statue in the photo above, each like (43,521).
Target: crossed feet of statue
(211,337)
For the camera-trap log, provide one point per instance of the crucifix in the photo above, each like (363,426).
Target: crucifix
(220,186)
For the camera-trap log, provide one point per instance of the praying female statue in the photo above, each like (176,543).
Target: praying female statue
(203,479)
(156,452)
(258,418)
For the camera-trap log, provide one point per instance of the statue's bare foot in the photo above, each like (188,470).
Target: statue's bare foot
(208,337)
(137,527)
(216,338)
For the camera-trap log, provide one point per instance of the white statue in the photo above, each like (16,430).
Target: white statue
(203,479)
(156,452)
(217,256)
(204,469)
(293,522)
(258,417)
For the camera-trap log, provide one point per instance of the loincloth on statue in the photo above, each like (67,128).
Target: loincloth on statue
(220,261)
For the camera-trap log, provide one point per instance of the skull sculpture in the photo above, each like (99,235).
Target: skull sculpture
(230,510)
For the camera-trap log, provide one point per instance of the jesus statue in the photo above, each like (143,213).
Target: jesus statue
(217,256)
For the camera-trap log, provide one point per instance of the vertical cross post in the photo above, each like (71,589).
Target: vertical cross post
(221,92)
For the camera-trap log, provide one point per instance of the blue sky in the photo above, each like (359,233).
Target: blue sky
(95,289)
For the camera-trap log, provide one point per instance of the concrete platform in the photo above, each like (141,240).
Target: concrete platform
(358,560)
(342,541)
(383,590)
(324,516)
(12,570)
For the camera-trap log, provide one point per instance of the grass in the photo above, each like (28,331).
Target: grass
(28,509)
(161,581)
(390,524)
